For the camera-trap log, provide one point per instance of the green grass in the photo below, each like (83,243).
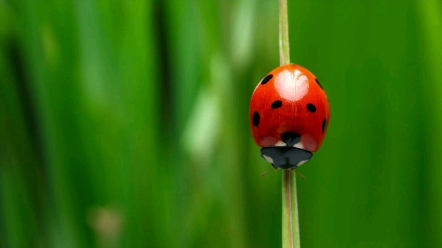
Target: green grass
(125,123)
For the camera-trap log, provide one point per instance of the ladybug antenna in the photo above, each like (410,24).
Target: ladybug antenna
(299,173)
(267,172)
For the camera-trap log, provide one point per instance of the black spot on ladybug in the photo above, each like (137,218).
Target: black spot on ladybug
(276,104)
(318,83)
(267,79)
(311,108)
(256,119)
(324,123)
(290,138)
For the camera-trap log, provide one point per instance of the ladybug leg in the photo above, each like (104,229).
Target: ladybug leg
(267,172)
(299,173)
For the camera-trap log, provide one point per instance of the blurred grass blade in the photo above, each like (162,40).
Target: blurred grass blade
(19,165)
(431,20)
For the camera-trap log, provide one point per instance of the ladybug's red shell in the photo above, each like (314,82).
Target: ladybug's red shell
(289,100)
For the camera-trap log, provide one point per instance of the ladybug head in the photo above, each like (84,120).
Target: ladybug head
(286,157)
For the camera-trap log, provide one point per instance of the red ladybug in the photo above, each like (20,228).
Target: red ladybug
(289,116)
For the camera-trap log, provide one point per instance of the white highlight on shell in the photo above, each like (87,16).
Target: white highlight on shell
(302,162)
(291,86)
(268,159)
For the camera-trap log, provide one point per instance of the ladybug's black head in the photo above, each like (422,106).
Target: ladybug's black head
(286,158)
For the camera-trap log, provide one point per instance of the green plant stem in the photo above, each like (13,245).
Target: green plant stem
(290,221)
(284,45)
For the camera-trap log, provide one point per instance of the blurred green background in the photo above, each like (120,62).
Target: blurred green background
(125,123)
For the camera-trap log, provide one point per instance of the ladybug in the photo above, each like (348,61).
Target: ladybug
(289,116)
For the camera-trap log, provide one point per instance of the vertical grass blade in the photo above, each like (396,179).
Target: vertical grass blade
(431,22)
(290,221)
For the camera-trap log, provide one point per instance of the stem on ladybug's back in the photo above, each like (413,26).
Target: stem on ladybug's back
(290,222)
